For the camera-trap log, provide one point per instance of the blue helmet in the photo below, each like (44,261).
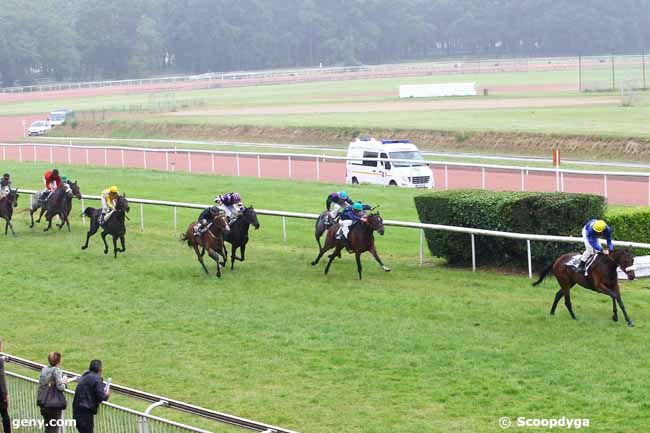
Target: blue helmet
(343,195)
(357,206)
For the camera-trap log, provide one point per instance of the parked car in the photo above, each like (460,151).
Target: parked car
(387,162)
(59,117)
(39,127)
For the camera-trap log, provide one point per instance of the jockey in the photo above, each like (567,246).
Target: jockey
(592,232)
(337,201)
(205,219)
(230,204)
(5,185)
(109,200)
(349,216)
(52,181)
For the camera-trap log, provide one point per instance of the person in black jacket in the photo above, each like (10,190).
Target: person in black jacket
(4,394)
(88,396)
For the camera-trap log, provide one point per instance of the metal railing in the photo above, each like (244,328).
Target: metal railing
(23,398)
(265,164)
(446,66)
(472,232)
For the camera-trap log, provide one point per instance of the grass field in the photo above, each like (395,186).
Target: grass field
(427,349)
(603,116)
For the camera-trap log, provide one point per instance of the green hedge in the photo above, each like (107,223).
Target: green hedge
(630,224)
(539,213)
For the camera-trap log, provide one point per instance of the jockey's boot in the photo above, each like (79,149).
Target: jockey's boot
(582,267)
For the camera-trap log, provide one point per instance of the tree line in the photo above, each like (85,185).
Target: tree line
(113,39)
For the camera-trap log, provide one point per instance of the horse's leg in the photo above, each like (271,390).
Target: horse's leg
(67,222)
(215,256)
(40,215)
(105,244)
(31,216)
(11,226)
(49,224)
(567,302)
(233,256)
(373,251)
(614,311)
(199,256)
(322,252)
(558,296)
(242,252)
(224,254)
(91,232)
(7,227)
(332,256)
(122,241)
(620,304)
(358,257)
(62,218)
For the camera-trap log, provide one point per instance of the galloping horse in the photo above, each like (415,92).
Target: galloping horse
(7,205)
(59,203)
(238,234)
(360,239)
(115,226)
(210,240)
(323,221)
(603,278)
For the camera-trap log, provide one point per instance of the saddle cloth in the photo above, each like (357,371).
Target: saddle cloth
(575,261)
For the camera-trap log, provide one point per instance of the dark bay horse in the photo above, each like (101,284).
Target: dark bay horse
(58,204)
(115,226)
(238,234)
(360,239)
(7,205)
(603,278)
(210,240)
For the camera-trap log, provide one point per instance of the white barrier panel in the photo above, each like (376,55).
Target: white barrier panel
(437,90)
(641,268)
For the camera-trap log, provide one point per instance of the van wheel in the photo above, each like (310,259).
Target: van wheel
(392,183)
(355,181)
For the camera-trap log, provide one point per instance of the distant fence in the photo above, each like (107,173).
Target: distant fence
(627,188)
(472,232)
(113,418)
(446,66)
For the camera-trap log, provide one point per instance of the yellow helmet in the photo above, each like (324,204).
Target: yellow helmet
(114,189)
(599,226)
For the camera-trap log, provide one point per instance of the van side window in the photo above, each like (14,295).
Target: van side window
(370,155)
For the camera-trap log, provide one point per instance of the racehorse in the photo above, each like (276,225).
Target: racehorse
(323,222)
(603,278)
(360,239)
(238,234)
(115,226)
(210,240)
(7,205)
(58,203)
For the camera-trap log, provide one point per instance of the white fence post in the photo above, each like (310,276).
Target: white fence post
(105,156)
(446,177)
(141,217)
(557,179)
(483,178)
(87,157)
(605,185)
(237,164)
(51,155)
(212,162)
(144,159)
(259,167)
(289,161)
(523,181)
(20,153)
(317,169)
(122,156)
(70,153)
(421,248)
(562,181)
(175,219)
(83,208)
(189,161)
(473,253)
(530,260)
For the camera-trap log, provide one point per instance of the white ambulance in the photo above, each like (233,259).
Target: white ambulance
(387,162)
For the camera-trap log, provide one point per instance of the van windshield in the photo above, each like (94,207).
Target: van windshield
(413,155)
(56,117)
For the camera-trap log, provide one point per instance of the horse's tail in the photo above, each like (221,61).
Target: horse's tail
(543,274)
(185,238)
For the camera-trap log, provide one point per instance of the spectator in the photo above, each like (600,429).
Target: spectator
(4,394)
(90,393)
(52,374)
